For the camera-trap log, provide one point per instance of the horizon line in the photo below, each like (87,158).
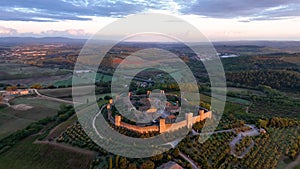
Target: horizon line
(229,40)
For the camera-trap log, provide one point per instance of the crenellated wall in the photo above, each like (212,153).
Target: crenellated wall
(139,128)
(118,120)
(189,121)
(163,127)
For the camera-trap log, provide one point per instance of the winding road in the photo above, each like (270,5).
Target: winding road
(238,138)
(51,98)
(232,144)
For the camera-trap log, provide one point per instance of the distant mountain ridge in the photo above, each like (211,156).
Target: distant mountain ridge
(47,40)
(277,44)
(42,40)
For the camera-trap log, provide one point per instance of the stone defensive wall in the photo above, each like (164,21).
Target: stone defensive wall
(163,127)
(140,129)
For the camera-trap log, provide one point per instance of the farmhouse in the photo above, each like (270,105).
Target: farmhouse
(17,92)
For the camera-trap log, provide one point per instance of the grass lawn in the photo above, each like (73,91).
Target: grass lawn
(26,155)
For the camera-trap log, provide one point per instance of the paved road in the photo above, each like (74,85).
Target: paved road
(233,143)
(247,150)
(94,121)
(250,133)
(194,165)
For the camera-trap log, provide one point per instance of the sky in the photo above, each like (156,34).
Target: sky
(218,20)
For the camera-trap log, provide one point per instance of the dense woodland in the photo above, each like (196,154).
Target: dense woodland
(282,80)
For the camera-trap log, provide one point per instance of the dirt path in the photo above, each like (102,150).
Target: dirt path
(294,163)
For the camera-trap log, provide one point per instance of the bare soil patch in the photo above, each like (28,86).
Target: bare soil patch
(22,107)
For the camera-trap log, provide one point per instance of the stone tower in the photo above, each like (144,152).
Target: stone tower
(189,119)
(201,113)
(162,125)
(118,120)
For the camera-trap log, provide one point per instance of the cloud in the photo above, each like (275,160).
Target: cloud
(76,33)
(66,33)
(56,10)
(254,10)
(4,31)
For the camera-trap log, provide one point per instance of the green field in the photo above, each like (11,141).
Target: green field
(103,77)
(16,73)
(86,78)
(237,100)
(27,155)
(57,93)
(68,82)
(242,90)
(66,93)
(12,120)
(16,69)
